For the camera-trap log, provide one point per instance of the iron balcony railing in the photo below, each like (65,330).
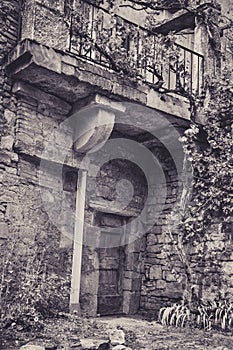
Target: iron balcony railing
(181,72)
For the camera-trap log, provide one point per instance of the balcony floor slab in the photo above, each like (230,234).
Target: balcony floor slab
(72,78)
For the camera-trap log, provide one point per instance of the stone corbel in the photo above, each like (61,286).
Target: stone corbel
(94,122)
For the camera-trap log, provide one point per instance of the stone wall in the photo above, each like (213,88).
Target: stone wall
(46,22)
(24,124)
(162,281)
(9,26)
(30,195)
(212,263)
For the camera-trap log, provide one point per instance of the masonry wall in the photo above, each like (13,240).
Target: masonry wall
(47,22)
(9,23)
(29,118)
(162,281)
(212,263)
(24,128)
(31,197)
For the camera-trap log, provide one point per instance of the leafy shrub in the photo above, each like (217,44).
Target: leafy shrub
(212,314)
(175,315)
(215,315)
(31,287)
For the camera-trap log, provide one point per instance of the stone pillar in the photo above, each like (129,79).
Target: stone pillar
(46,22)
(78,241)
(207,41)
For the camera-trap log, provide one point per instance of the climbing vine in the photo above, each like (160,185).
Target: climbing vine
(109,36)
(209,149)
(208,172)
(99,33)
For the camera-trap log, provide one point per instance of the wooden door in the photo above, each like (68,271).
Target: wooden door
(111,267)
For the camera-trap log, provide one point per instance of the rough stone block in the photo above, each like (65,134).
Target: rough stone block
(110,221)
(153,260)
(9,115)
(117,337)
(161,284)
(228,267)
(127,284)
(11,170)
(157,248)
(155,272)
(69,60)
(132,274)
(50,27)
(136,284)
(135,246)
(7,142)
(93,343)
(67,69)
(32,94)
(4,230)
(152,239)
(168,276)
(32,347)
(132,261)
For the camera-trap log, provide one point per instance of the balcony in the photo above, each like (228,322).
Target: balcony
(138,52)
(62,57)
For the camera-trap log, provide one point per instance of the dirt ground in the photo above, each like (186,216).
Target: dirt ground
(140,335)
(144,335)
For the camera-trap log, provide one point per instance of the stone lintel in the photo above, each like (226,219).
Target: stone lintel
(106,207)
(67,76)
(169,103)
(4,231)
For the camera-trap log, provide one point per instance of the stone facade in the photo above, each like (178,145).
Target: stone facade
(9,158)
(40,85)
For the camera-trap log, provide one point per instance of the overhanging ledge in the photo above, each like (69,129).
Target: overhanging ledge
(67,76)
(72,78)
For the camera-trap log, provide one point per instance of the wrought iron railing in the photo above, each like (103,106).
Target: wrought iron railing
(182,73)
